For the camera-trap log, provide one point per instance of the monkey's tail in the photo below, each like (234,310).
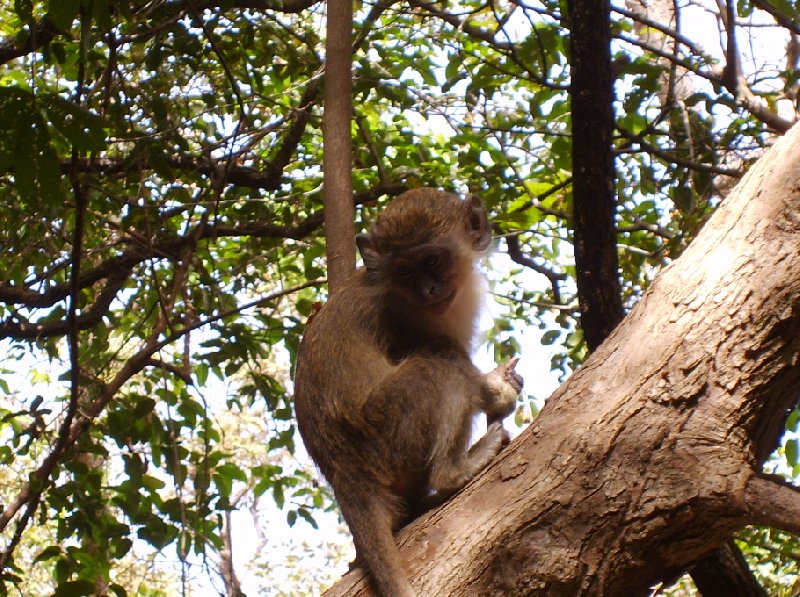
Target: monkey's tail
(371,516)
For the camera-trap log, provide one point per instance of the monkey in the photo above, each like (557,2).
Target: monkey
(385,390)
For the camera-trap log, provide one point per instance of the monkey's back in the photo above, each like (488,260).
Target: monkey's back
(338,364)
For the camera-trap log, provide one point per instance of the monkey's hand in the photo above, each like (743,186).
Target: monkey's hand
(503,385)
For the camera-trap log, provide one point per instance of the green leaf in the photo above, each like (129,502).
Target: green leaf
(101,12)
(684,198)
(24,10)
(25,149)
(63,12)
(792,450)
(86,131)
(74,588)
(118,590)
(791,420)
(550,337)
(50,552)
(37,171)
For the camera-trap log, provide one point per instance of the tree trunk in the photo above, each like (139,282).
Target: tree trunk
(647,458)
(337,145)
(594,203)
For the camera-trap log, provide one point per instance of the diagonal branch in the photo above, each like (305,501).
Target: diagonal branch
(41,34)
(782,19)
(673,158)
(517,255)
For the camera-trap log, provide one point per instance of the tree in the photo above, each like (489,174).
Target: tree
(699,378)
(337,160)
(162,229)
(593,201)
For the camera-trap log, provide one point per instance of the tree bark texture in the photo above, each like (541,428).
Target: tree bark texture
(594,202)
(725,572)
(337,152)
(647,458)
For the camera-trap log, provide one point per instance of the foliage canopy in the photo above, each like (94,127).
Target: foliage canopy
(177,145)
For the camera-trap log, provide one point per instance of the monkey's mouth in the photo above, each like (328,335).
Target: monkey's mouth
(439,307)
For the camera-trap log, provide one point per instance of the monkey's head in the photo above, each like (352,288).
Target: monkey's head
(423,245)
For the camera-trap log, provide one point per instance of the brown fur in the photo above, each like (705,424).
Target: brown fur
(385,389)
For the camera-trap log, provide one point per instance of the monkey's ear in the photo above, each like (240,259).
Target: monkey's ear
(478,230)
(371,257)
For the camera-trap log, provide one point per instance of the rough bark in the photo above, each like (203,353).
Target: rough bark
(594,202)
(725,572)
(646,459)
(337,152)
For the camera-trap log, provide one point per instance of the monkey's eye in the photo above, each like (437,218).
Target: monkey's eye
(432,261)
(403,270)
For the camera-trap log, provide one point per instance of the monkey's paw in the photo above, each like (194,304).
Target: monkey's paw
(504,385)
(499,436)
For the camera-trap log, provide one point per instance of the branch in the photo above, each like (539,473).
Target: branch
(675,159)
(44,31)
(302,114)
(732,76)
(780,18)
(40,35)
(337,145)
(536,202)
(117,269)
(516,254)
(745,98)
(753,104)
(178,372)
(506,48)
(24,330)
(668,31)
(771,501)
(166,247)
(471,30)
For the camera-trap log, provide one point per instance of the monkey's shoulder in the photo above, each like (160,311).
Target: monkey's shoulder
(348,320)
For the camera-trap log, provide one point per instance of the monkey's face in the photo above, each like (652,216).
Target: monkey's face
(427,276)
(423,246)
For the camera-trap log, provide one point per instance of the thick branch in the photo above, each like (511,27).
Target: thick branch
(726,572)
(773,502)
(641,464)
(594,201)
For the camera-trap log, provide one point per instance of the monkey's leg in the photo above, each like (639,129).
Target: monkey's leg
(450,475)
